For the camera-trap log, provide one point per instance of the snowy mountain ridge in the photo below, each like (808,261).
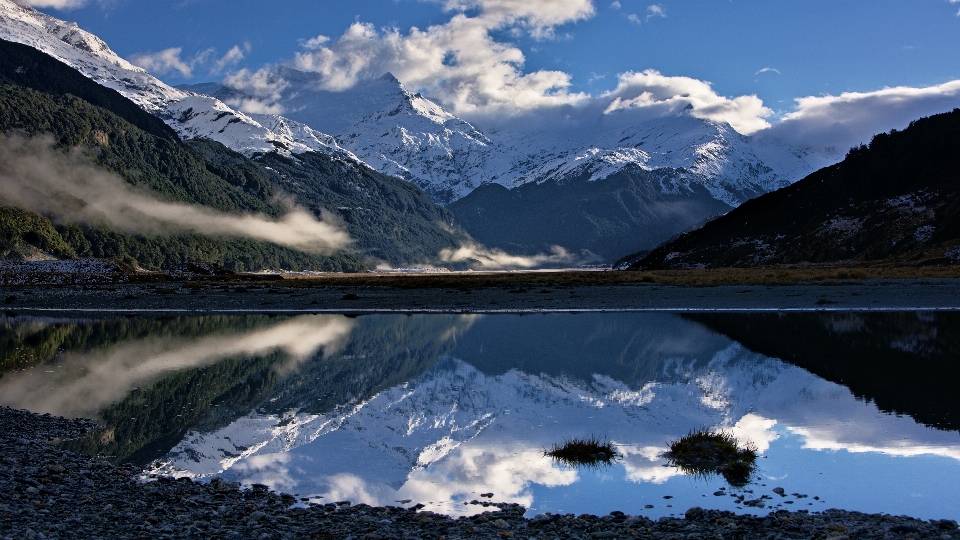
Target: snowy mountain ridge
(189,114)
(407,135)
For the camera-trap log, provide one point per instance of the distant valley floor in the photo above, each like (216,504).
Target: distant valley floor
(476,295)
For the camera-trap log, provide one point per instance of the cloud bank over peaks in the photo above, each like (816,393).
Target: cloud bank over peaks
(458,62)
(261,89)
(663,95)
(466,65)
(854,117)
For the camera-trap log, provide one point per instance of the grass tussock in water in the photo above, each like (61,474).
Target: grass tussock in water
(704,452)
(590,451)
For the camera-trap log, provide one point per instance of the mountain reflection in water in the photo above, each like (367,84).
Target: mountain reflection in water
(440,408)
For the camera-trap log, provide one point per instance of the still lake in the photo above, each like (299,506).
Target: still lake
(859,411)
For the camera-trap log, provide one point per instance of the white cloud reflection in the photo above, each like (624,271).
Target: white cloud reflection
(82,384)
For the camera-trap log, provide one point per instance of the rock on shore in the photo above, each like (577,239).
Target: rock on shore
(46,492)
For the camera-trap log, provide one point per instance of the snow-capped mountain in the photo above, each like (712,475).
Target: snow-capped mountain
(407,135)
(189,114)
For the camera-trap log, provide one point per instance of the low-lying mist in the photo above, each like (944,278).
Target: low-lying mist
(496,259)
(69,188)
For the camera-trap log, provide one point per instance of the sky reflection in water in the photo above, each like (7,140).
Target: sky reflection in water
(441,408)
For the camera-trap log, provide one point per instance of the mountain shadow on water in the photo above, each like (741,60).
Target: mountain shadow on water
(630,210)
(904,362)
(895,200)
(632,348)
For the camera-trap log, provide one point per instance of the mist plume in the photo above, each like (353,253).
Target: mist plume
(69,188)
(495,259)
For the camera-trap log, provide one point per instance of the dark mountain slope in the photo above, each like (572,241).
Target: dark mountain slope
(400,224)
(30,68)
(39,95)
(44,99)
(904,362)
(389,219)
(896,200)
(622,213)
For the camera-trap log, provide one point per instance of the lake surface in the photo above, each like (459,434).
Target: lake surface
(859,411)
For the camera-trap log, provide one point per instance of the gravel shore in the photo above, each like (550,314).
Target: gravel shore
(46,492)
(291,296)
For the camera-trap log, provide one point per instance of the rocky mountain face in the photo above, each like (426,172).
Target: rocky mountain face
(896,200)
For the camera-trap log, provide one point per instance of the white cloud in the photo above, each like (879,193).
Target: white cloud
(458,62)
(656,10)
(464,67)
(55,4)
(615,5)
(768,69)
(163,62)
(538,17)
(853,117)
(232,58)
(170,60)
(496,259)
(661,95)
(262,90)
(634,18)
(314,43)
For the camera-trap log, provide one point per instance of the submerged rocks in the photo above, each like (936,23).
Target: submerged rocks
(50,493)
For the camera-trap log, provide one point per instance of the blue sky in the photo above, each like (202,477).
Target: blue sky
(571,50)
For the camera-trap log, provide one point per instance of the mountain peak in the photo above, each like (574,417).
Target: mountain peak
(389,78)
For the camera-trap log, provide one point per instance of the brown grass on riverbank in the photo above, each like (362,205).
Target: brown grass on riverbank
(514,281)
(575,278)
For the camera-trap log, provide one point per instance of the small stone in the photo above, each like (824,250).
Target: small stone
(695,513)
(779,491)
(719,493)
(603,534)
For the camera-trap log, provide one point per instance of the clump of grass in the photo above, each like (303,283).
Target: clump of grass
(590,451)
(704,452)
